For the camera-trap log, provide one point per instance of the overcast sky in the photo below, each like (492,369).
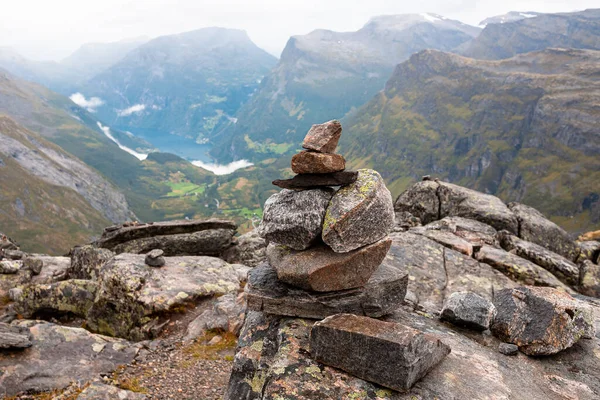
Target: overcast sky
(52,29)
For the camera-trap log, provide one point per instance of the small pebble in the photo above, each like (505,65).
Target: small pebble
(508,349)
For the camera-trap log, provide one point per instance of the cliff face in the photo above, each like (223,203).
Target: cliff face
(324,74)
(522,128)
(579,30)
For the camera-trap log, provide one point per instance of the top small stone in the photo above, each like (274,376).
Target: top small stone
(323,138)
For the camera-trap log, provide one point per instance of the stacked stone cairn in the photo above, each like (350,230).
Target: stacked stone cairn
(328,238)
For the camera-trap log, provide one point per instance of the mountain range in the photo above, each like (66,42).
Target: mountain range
(510,109)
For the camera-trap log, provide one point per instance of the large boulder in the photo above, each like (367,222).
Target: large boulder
(248,249)
(359,214)
(559,266)
(133,298)
(87,260)
(115,235)
(294,219)
(14,337)
(322,270)
(469,310)
(430,201)
(382,294)
(536,228)
(541,321)
(387,353)
(273,361)
(210,242)
(59,356)
(519,269)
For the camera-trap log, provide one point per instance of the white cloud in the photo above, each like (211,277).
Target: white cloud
(89,104)
(219,169)
(135,109)
(106,130)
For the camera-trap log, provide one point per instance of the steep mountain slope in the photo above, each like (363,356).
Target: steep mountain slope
(510,16)
(324,74)
(524,129)
(580,30)
(93,58)
(50,200)
(181,84)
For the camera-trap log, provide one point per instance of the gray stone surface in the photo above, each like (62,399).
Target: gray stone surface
(387,353)
(248,249)
(536,228)
(322,270)
(589,250)
(475,232)
(133,298)
(210,242)
(359,214)
(382,294)
(226,314)
(100,391)
(420,200)
(14,337)
(450,240)
(115,235)
(519,269)
(34,264)
(324,137)
(468,310)
(55,269)
(541,321)
(294,219)
(59,356)
(87,260)
(9,267)
(589,279)
(559,266)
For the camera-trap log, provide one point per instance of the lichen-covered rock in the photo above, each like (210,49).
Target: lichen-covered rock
(312,181)
(87,260)
(10,281)
(323,138)
(322,270)
(405,221)
(382,294)
(359,214)
(113,236)
(309,162)
(273,362)
(519,269)
(226,315)
(248,249)
(387,353)
(294,219)
(559,266)
(9,267)
(7,243)
(541,321)
(133,298)
(210,242)
(60,355)
(589,280)
(469,310)
(589,250)
(14,337)
(536,228)
(420,200)
(34,264)
(100,391)
(75,296)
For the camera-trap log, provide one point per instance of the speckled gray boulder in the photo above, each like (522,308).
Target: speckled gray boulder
(359,214)
(468,310)
(294,219)
(14,337)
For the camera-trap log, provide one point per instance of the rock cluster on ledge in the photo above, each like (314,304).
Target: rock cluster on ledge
(325,259)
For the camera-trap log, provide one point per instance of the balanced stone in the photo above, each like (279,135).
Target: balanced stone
(155,258)
(469,310)
(310,162)
(308,181)
(359,214)
(294,219)
(323,270)
(387,353)
(323,138)
(382,294)
(541,320)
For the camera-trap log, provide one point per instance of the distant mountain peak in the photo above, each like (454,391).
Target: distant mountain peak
(510,16)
